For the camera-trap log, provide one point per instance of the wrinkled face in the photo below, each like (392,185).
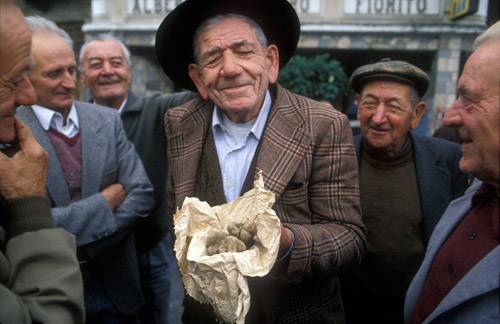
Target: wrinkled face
(105,71)
(234,70)
(54,73)
(15,55)
(475,113)
(386,115)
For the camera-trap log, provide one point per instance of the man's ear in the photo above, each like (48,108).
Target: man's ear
(417,114)
(195,75)
(357,100)
(83,79)
(272,61)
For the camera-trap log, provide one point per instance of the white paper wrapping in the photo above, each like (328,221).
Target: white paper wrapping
(220,280)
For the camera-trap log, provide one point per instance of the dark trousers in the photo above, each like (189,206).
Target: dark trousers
(98,307)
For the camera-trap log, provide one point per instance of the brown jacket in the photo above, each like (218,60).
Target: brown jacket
(308,160)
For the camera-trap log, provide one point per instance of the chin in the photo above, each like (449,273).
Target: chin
(467,166)
(7,134)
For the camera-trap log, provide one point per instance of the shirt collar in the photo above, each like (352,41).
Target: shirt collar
(120,110)
(46,116)
(484,192)
(260,122)
(123,105)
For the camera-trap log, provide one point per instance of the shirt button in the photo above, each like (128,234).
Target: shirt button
(229,185)
(472,235)
(450,270)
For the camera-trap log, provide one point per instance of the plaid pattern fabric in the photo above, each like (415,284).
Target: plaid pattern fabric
(308,160)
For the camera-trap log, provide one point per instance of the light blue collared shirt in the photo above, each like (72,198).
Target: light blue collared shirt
(50,118)
(236,149)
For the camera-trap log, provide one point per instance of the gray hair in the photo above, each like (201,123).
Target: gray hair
(37,23)
(102,38)
(490,34)
(215,20)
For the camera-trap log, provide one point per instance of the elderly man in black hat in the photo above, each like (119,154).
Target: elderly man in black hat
(245,123)
(406,182)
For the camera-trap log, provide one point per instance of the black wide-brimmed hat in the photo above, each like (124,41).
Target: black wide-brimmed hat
(399,71)
(174,38)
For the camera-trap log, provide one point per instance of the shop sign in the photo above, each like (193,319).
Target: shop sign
(162,7)
(386,8)
(460,8)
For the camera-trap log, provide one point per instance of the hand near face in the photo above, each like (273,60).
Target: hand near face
(23,166)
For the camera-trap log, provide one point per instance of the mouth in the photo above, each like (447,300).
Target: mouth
(64,93)
(9,119)
(232,87)
(464,140)
(108,83)
(379,130)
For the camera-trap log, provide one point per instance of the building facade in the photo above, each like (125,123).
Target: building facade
(432,34)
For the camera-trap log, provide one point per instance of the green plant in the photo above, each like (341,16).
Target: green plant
(315,77)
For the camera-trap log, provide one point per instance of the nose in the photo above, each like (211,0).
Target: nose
(229,64)
(106,68)
(25,94)
(69,80)
(452,117)
(379,115)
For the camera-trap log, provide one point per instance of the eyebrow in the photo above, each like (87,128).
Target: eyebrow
(95,58)
(463,89)
(218,49)
(391,99)
(58,70)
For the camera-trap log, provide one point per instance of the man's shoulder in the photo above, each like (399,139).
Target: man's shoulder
(170,100)
(435,144)
(94,109)
(192,107)
(287,100)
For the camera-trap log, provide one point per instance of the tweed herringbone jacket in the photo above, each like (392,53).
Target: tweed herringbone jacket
(308,161)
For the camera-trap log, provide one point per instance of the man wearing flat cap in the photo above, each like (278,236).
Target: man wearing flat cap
(246,123)
(406,182)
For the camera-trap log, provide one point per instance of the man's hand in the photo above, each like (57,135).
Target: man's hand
(285,240)
(115,194)
(23,166)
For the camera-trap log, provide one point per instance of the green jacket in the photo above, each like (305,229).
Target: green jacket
(40,279)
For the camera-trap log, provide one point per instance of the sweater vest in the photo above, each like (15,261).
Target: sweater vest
(69,152)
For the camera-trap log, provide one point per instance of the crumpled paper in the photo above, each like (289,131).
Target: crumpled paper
(220,280)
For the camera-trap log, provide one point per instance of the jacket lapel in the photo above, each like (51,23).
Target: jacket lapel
(57,187)
(94,150)
(429,177)
(284,143)
(469,287)
(185,148)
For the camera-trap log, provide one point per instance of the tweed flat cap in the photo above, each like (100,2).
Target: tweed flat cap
(399,71)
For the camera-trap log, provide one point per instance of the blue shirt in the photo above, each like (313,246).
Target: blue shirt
(236,145)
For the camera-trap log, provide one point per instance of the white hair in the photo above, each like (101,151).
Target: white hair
(37,23)
(102,38)
(490,34)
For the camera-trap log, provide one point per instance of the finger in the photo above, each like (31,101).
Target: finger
(9,151)
(24,133)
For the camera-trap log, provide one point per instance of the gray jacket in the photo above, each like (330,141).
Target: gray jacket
(474,299)
(108,157)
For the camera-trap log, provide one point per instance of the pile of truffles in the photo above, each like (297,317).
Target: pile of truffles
(239,239)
